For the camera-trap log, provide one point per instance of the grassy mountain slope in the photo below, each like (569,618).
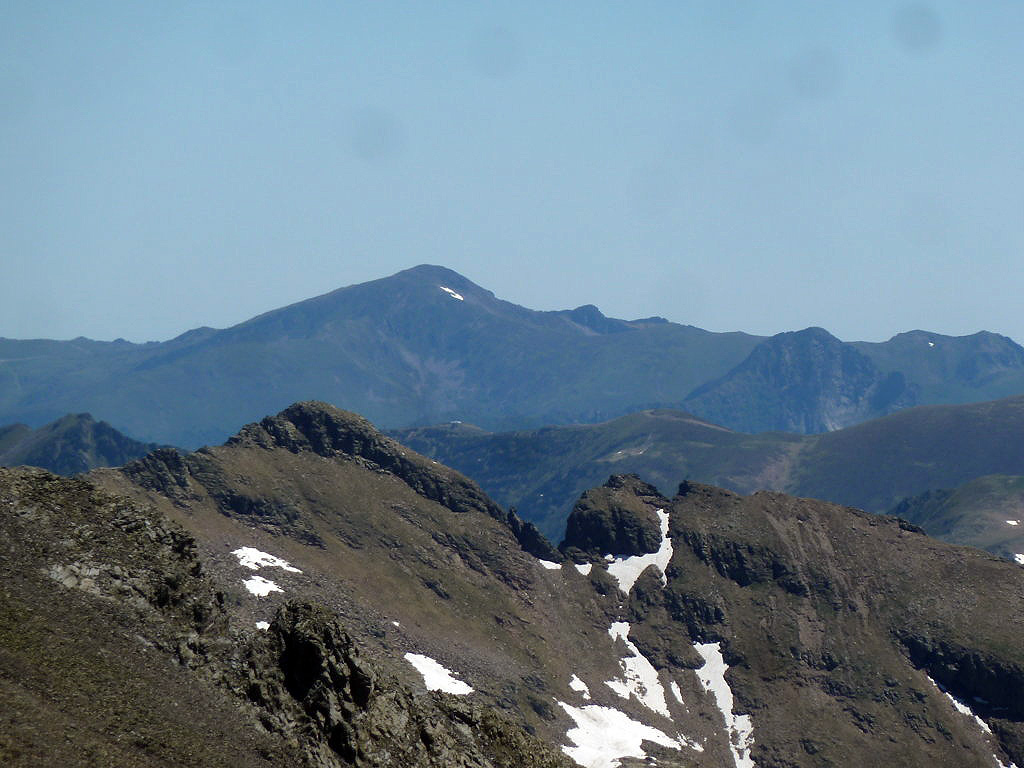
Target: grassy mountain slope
(874,465)
(542,472)
(951,369)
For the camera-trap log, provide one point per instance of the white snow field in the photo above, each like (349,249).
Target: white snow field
(254,559)
(627,570)
(740,728)
(436,677)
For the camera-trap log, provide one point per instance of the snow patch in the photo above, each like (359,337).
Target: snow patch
(584,568)
(435,676)
(261,587)
(639,677)
(550,565)
(602,735)
(965,710)
(451,293)
(627,570)
(674,686)
(1013,522)
(263,625)
(396,624)
(1019,557)
(250,557)
(580,687)
(931,343)
(740,727)
(961,707)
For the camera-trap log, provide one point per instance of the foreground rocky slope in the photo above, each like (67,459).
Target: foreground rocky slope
(112,634)
(330,576)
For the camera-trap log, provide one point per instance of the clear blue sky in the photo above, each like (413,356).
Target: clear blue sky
(731,164)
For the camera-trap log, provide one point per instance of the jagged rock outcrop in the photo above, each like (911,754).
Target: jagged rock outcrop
(837,618)
(107,619)
(105,545)
(615,519)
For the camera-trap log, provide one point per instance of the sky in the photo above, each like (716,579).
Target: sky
(729,164)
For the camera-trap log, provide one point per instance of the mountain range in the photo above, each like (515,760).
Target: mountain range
(427,345)
(314,593)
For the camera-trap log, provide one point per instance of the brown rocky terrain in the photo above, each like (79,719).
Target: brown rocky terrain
(706,629)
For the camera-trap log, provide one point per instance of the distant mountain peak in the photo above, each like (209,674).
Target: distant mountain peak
(73,443)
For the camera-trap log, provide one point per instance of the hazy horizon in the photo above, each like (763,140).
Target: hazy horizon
(721,164)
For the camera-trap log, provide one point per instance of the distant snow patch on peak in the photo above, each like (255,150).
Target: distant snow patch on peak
(584,568)
(263,626)
(931,343)
(740,727)
(436,677)
(627,570)
(254,559)
(550,565)
(1019,557)
(452,293)
(639,677)
(261,587)
(602,735)
(580,687)
(1013,522)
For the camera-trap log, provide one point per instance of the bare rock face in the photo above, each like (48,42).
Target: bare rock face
(833,620)
(615,519)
